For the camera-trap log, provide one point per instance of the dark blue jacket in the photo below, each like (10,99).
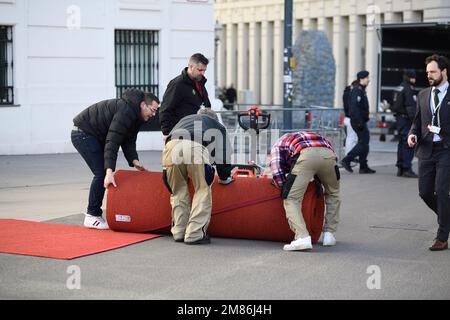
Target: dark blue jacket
(358,107)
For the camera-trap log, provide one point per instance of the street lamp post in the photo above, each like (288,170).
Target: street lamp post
(287,74)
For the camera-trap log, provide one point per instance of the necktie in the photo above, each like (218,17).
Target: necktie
(436,102)
(436,97)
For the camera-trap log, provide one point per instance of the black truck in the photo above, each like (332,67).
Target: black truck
(405,46)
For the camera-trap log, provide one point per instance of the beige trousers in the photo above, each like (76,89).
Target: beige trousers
(318,161)
(183,159)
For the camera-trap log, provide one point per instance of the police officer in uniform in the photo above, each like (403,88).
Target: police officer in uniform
(404,106)
(359,116)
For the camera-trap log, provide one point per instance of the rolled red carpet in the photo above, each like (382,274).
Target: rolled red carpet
(249,208)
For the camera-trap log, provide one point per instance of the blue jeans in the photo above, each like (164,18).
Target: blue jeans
(92,152)
(405,154)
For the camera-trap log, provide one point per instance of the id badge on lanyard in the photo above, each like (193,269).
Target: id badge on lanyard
(435,111)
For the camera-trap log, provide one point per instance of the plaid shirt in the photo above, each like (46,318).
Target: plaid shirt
(284,152)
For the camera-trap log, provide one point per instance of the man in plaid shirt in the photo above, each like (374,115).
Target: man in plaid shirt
(294,160)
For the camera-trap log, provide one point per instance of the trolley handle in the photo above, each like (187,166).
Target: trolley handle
(254,114)
(241,124)
(266,119)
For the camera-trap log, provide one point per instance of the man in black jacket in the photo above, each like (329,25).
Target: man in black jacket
(195,144)
(404,106)
(359,116)
(98,133)
(430,134)
(185,94)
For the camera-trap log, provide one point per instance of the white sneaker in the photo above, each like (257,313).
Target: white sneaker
(95,222)
(328,239)
(301,244)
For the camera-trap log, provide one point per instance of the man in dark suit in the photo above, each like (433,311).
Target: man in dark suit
(430,135)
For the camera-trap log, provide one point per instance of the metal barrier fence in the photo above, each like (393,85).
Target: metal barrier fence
(250,145)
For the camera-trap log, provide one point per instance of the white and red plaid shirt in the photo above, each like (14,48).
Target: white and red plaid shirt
(284,152)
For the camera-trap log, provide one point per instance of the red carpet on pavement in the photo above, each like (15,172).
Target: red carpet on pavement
(61,241)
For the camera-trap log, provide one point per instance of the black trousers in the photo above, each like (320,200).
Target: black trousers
(405,154)
(434,187)
(361,149)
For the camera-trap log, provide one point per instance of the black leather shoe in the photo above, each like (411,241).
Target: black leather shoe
(409,174)
(346,165)
(399,172)
(204,240)
(439,245)
(179,240)
(366,170)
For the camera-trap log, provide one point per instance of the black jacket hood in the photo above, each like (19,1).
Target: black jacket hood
(133,97)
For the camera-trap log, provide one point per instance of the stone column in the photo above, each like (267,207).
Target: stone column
(255,60)
(278,42)
(340,39)
(306,24)
(373,51)
(242,66)
(326,25)
(306,15)
(355,57)
(221,58)
(297,27)
(231,54)
(266,62)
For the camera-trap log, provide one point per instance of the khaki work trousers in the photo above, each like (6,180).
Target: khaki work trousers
(318,161)
(183,159)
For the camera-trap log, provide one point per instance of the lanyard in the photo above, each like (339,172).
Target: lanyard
(436,112)
(435,109)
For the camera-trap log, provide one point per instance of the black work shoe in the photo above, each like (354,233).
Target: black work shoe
(399,172)
(409,174)
(179,240)
(366,170)
(204,240)
(346,165)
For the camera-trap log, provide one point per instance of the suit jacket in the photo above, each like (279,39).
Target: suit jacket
(423,118)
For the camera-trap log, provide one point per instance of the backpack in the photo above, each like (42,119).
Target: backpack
(346,99)
(397,100)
